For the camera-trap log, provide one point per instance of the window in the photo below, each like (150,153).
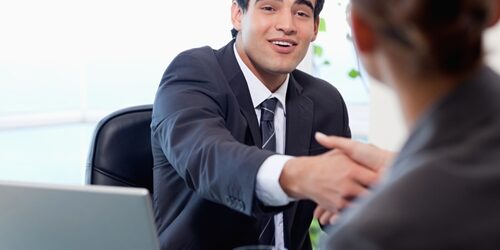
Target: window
(336,61)
(67,64)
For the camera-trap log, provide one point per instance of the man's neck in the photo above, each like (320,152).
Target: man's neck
(271,80)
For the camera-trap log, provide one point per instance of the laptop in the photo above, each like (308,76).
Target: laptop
(62,217)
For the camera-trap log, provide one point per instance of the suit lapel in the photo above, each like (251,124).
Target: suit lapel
(299,120)
(239,86)
(243,95)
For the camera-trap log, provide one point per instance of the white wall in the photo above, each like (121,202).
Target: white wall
(64,64)
(71,55)
(110,29)
(386,124)
(387,128)
(493,47)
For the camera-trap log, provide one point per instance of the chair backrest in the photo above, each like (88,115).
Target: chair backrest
(120,153)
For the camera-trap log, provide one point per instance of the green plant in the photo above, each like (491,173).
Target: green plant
(318,52)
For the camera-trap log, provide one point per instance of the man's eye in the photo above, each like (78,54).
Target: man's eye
(268,8)
(303,14)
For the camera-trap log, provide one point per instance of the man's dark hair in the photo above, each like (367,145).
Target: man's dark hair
(244,6)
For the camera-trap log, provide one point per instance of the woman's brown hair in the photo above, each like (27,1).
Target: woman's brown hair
(443,35)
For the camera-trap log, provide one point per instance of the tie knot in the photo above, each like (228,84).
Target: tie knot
(267,109)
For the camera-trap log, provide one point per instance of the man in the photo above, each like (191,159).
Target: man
(220,181)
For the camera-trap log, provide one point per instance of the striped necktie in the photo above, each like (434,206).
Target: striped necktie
(267,109)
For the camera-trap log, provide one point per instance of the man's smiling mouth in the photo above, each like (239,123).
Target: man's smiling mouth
(283,43)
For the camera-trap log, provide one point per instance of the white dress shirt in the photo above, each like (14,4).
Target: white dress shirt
(267,185)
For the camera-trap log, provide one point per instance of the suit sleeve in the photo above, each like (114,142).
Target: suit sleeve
(189,120)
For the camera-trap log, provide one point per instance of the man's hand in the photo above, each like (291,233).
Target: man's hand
(368,155)
(331,179)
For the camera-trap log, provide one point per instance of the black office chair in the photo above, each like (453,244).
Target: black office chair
(120,153)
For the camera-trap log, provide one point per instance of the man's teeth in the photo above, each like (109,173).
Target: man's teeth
(282,43)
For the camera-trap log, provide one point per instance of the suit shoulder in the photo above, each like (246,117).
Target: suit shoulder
(308,81)
(315,86)
(194,65)
(200,54)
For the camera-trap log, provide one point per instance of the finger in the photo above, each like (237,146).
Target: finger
(325,218)
(318,212)
(349,193)
(349,204)
(344,144)
(371,156)
(331,203)
(334,152)
(365,176)
(367,155)
(359,173)
(333,219)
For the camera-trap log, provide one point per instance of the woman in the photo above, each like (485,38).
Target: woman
(443,189)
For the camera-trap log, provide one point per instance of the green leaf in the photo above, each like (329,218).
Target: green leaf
(326,62)
(354,74)
(318,50)
(322,25)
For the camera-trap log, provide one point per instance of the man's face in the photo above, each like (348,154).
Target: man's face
(274,35)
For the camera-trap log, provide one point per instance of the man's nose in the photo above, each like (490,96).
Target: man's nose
(286,24)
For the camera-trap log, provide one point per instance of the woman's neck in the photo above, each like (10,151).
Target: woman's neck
(418,94)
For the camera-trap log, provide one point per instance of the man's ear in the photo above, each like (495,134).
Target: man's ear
(236,15)
(362,32)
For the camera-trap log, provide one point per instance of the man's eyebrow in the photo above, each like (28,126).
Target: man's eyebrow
(308,3)
(305,2)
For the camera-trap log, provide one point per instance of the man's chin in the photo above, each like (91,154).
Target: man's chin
(285,69)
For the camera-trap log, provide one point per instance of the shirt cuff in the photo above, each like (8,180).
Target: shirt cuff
(267,187)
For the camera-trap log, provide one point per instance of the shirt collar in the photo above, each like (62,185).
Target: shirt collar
(258,91)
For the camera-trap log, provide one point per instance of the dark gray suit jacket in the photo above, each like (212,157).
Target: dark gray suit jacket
(443,190)
(206,139)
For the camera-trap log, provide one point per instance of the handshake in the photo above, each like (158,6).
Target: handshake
(334,179)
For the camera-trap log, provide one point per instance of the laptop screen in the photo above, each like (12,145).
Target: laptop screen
(43,216)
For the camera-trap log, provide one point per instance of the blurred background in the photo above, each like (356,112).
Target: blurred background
(64,65)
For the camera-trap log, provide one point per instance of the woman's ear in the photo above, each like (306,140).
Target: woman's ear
(496,13)
(363,33)
(236,15)
(364,38)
